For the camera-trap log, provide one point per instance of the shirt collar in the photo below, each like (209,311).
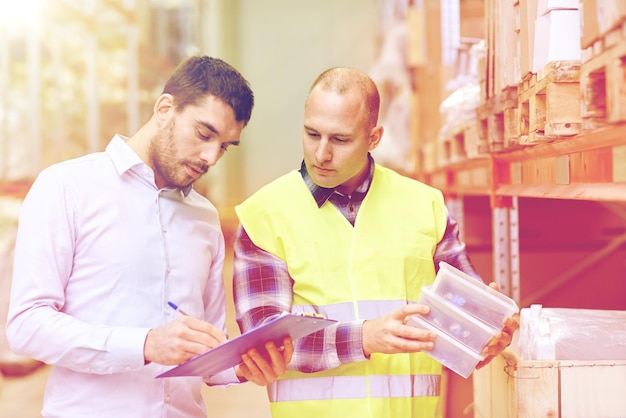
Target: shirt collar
(125,159)
(122,156)
(322,194)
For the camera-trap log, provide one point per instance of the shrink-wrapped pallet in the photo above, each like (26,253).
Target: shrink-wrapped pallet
(572,334)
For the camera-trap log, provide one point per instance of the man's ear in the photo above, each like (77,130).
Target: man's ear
(163,107)
(376,135)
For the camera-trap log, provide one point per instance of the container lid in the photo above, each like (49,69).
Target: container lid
(453,310)
(504,304)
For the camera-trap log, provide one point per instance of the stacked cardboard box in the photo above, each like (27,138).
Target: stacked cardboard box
(603,69)
(598,17)
(557,33)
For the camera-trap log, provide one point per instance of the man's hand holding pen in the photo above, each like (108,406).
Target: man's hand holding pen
(186,337)
(183,338)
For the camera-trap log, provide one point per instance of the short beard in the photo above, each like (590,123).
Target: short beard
(163,156)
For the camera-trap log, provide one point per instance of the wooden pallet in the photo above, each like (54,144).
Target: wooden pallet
(497,118)
(511,388)
(603,80)
(549,103)
(465,142)
(427,157)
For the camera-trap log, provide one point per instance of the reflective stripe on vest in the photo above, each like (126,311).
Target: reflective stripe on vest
(350,311)
(355,387)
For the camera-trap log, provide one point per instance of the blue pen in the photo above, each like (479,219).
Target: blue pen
(176,308)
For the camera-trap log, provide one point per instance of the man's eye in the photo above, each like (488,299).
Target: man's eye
(313,134)
(225,147)
(204,137)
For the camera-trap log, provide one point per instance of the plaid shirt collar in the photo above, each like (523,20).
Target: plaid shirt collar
(322,194)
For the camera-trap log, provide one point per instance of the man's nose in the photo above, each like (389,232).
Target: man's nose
(211,153)
(323,152)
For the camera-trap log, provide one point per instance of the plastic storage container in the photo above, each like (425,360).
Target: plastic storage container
(473,296)
(455,322)
(448,351)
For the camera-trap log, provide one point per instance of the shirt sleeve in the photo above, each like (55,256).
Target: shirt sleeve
(37,327)
(452,250)
(263,289)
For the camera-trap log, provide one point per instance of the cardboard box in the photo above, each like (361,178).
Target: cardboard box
(528,15)
(507,71)
(597,17)
(557,38)
(589,26)
(610,13)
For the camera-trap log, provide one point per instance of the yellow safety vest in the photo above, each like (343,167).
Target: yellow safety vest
(349,273)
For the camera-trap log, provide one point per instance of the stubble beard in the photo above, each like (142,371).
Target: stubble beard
(162,153)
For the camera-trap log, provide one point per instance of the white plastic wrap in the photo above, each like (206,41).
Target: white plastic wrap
(571,334)
(459,108)
(393,78)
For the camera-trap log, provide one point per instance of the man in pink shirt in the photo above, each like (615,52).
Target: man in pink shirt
(107,239)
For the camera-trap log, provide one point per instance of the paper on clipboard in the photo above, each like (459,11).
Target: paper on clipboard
(229,354)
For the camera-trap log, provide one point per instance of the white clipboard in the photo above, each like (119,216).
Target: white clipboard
(229,354)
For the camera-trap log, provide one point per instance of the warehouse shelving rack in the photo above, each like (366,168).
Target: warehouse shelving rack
(588,166)
(546,138)
(542,190)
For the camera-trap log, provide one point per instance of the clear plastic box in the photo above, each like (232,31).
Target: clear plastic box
(447,351)
(473,296)
(455,322)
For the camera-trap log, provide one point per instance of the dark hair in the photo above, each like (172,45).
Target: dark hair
(196,77)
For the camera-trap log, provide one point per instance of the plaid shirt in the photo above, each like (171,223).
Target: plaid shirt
(263,288)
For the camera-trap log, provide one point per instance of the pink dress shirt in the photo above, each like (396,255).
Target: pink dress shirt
(99,252)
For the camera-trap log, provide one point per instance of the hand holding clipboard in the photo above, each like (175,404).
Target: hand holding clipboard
(229,354)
